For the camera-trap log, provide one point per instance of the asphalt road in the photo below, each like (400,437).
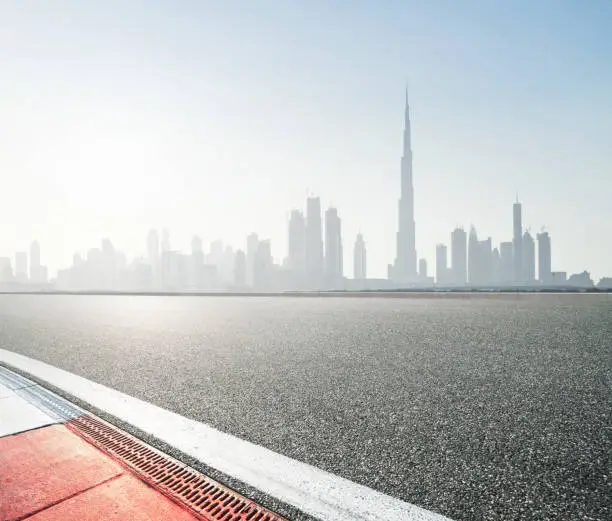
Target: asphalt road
(483,407)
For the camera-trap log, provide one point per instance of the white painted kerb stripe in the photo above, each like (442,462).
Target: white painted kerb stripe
(312,490)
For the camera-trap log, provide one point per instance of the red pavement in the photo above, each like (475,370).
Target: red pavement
(51,474)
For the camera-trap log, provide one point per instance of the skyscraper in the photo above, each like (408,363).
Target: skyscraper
(495,267)
(165,244)
(517,243)
(314,242)
(196,277)
(423,269)
(240,269)
(38,273)
(506,269)
(262,270)
(544,259)
(405,266)
(252,246)
(333,247)
(153,257)
(296,258)
(34,259)
(459,256)
(528,264)
(473,258)
(21,266)
(360,259)
(441,264)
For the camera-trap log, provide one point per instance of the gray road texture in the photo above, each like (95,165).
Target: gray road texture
(479,407)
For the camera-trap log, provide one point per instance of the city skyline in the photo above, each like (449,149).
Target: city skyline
(163,121)
(314,258)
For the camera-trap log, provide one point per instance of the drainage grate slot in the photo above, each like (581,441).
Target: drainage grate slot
(207,498)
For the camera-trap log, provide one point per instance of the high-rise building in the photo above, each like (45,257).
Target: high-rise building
(252,246)
(165,243)
(423,269)
(334,260)
(314,242)
(240,268)
(263,268)
(517,243)
(485,260)
(506,264)
(459,256)
(153,247)
(544,259)
(154,258)
(38,273)
(296,258)
(6,270)
(197,277)
(360,259)
(528,264)
(21,266)
(404,270)
(441,264)
(495,267)
(473,258)
(34,259)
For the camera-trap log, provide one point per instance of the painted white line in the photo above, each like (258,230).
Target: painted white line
(312,490)
(17,415)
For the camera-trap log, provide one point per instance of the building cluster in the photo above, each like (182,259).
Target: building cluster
(314,261)
(476,263)
(34,275)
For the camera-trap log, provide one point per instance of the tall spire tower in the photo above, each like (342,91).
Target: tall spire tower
(404,269)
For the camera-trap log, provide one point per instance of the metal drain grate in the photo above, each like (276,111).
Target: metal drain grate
(184,485)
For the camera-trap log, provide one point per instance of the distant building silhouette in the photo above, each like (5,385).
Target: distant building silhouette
(314,242)
(495,267)
(473,258)
(605,283)
(34,261)
(154,258)
(296,258)
(558,278)
(360,259)
(38,272)
(529,262)
(165,242)
(459,256)
(264,267)
(441,264)
(404,269)
(21,266)
(544,259)
(517,243)
(506,261)
(240,269)
(581,280)
(423,269)
(252,246)
(334,260)
(197,271)
(6,270)
(480,260)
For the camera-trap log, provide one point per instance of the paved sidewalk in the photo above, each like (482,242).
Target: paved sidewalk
(49,473)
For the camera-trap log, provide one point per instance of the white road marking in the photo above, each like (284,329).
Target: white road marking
(17,415)
(312,490)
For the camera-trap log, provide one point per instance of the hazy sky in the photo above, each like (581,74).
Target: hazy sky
(217,118)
